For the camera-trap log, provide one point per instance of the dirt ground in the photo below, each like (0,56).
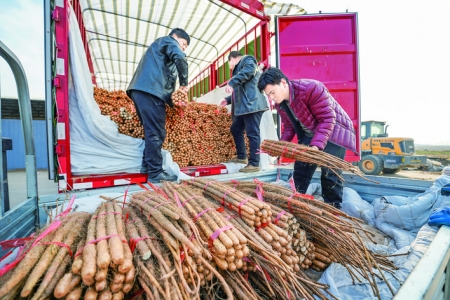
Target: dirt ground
(417,174)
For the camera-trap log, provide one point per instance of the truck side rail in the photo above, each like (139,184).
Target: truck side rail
(430,279)
(255,42)
(27,127)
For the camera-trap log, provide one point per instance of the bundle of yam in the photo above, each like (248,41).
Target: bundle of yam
(39,271)
(196,133)
(309,155)
(190,258)
(227,244)
(288,222)
(180,98)
(106,264)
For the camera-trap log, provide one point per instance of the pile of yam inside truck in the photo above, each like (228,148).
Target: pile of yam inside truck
(196,133)
(200,239)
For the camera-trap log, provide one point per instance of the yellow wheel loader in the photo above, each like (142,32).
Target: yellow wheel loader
(381,153)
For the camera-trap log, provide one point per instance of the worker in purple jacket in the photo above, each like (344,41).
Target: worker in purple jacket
(307,109)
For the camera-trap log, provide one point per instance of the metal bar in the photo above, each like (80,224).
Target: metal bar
(265,40)
(27,123)
(48,51)
(423,280)
(4,203)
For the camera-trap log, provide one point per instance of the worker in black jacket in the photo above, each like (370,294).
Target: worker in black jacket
(247,106)
(151,88)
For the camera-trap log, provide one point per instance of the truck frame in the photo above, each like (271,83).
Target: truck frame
(429,280)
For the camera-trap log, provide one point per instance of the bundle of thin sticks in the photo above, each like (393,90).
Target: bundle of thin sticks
(183,240)
(44,261)
(307,154)
(330,228)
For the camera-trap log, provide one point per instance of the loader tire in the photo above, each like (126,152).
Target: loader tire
(371,165)
(390,171)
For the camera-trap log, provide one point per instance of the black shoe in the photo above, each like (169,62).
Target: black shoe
(144,170)
(163,176)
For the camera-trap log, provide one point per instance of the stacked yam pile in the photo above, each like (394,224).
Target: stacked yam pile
(199,134)
(200,239)
(196,133)
(120,108)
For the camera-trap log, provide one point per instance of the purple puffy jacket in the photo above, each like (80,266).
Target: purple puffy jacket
(314,106)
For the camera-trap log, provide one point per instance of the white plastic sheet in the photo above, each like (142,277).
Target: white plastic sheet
(96,145)
(404,219)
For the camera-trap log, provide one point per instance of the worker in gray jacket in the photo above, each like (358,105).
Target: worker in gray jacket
(151,88)
(247,106)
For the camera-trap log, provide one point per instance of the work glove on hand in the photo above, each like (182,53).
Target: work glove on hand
(440,217)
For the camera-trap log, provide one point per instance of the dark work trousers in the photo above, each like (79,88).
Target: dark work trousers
(250,124)
(151,111)
(332,185)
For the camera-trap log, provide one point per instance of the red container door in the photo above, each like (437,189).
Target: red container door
(323,47)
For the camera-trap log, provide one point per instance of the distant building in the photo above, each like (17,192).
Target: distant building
(12,128)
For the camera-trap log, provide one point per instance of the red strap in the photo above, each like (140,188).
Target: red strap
(292,184)
(224,195)
(125,197)
(206,185)
(289,203)
(201,213)
(8,244)
(133,242)
(242,203)
(61,245)
(156,206)
(278,217)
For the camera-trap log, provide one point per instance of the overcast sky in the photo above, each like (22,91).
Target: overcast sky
(404,59)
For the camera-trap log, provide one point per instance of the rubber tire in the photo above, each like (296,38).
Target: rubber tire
(371,165)
(391,171)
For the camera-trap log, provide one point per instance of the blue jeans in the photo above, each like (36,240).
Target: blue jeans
(250,124)
(151,111)
(332,185)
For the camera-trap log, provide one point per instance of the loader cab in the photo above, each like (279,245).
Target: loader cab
(373,129)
